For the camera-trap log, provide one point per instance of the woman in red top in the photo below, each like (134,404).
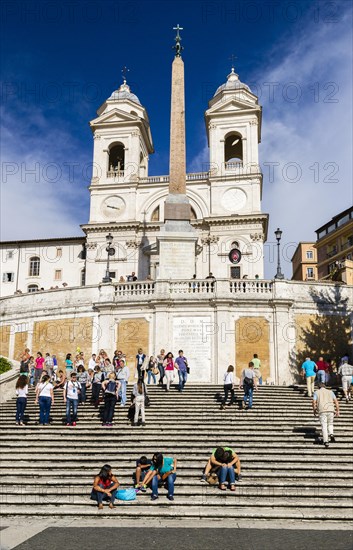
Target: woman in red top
(38,367)
(169,367)
(105,486)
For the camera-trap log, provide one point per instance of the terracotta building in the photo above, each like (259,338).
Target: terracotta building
(334,247)
(304,262)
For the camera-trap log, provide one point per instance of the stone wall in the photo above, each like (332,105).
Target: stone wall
(5,340)
(239,318)
(62,336)
(252,335)
(133,334)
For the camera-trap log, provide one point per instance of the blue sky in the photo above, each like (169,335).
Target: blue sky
(61,60)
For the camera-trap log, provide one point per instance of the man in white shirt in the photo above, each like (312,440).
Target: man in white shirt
(346,373)
(325,404)
(70,393)
(92,362)
(123,375)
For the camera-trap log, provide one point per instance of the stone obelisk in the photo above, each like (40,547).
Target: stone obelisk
(177,239)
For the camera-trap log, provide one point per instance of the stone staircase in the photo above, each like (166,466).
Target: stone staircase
(287,474)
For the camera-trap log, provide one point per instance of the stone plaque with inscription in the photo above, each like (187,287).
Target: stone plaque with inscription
(176,257)
(192,335)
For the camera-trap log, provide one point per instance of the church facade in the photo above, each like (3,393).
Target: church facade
(222,315)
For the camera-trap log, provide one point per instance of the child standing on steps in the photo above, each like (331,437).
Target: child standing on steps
(21,403)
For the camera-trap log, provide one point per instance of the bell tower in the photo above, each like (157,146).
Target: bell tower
(233,125)
(122,139)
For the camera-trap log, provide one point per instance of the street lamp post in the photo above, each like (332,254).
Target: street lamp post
(110,251)
(279,274)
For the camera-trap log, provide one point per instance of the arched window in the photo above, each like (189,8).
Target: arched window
(155,215)
(117,158)
(34,266)
(32,288)
(134,113)
(233,148)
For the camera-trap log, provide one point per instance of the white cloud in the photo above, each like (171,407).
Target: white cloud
(313,132)
(42,193)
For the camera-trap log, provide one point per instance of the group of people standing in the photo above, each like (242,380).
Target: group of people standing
(165,365)
(320,371)
(107,379)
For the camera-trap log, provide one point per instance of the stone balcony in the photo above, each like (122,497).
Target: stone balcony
(251,292)
(191,290)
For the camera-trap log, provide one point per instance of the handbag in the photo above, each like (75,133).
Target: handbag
(212,479)
(147,400)
(126,494)
(155,370)
(188,370)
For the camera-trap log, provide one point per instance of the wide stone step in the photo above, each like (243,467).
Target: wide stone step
(102,454)
(264,452)
(212,498)
(194,468)
(162,508)
(294,484)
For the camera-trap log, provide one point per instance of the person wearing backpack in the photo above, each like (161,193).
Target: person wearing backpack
(45,398)
(248,383)
(110,387)
(71,391)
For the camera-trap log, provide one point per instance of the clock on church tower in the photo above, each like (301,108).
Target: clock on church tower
(112,207)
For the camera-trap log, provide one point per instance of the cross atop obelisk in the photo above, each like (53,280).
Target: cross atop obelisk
(177,160)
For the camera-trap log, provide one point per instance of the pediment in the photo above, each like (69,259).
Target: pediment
(113,117)
(231,105)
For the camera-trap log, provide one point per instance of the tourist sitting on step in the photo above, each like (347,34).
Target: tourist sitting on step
(105,486)
(110,387)
(70,394)
(223,457)
(60,379)
(143,464)
(228,379)
(162,472)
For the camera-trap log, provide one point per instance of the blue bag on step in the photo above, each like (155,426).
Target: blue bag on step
(126,494)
